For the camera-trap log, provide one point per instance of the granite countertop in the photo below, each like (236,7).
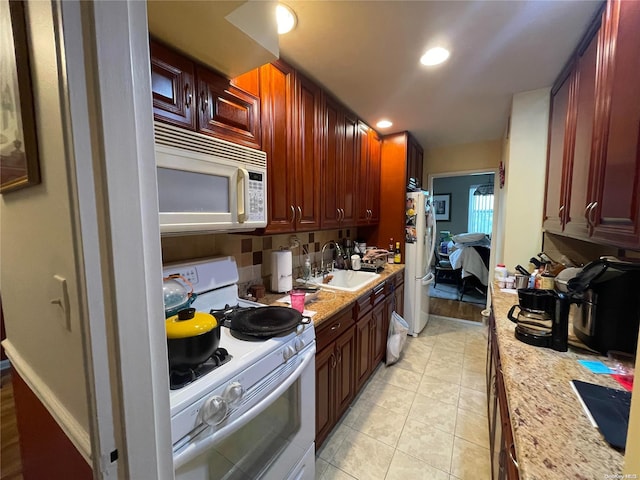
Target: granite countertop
(329,301)
(553,436)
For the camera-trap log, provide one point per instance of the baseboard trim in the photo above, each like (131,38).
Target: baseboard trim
(65,420)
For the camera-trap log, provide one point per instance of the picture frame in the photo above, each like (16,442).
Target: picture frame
(19,163)
(442,207)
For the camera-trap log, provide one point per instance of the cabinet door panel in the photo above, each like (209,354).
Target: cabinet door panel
(373,179)
(172,85)
(226,111)
(308,155)
(578,171)
(332,157)
(325,394)
(553,199)
(362,177)
(362,365)
(345,384)
(378,335)
(350,170)
(618,201)
(277,86)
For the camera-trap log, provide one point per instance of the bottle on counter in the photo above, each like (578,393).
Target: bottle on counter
(501,273)
(397,258)
(391,254)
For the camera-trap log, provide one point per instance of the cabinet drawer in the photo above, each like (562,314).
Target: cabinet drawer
(363,304)
(332,328)
(379,293)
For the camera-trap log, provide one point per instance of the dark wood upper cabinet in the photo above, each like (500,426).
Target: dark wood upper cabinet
(227,111)
(593,170)
(554,203)
(368,175)
(402,158)
(338,166)
(189,95)
(308,153)
(614,214)
(277,87)
(580,156)
(172,86)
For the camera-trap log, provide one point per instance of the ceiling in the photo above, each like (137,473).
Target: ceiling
(367,54)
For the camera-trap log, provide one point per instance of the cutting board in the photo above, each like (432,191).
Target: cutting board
(609,408)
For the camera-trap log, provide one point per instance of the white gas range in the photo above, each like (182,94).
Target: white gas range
(254,415)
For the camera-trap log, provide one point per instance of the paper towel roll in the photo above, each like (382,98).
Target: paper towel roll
(281,270)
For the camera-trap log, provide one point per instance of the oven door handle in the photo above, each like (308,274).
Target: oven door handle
(199,446)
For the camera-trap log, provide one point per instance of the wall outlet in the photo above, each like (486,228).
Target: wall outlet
(294,242)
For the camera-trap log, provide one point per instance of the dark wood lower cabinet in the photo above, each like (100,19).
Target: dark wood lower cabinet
(350,346)
(504,465)
(335,383)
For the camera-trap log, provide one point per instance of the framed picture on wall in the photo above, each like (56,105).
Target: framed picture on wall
(19,165)
(442,207)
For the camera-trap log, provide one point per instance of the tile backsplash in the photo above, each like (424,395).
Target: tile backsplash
(252,252)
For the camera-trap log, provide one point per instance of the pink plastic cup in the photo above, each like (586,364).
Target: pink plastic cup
(297,299)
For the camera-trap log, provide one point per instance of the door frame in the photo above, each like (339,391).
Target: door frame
(496,236)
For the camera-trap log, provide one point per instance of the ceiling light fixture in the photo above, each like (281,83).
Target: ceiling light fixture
(384,124)
(434,56)
(286,19)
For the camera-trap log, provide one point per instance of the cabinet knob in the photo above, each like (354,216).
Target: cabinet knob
(299,214)
(293,214)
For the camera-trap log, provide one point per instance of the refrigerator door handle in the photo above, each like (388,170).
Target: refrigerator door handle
(428,278)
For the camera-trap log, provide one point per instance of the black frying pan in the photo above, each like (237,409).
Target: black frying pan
(267,321)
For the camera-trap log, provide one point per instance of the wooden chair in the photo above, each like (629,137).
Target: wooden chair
(444,272)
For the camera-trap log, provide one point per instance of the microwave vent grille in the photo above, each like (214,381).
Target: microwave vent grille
(196,142)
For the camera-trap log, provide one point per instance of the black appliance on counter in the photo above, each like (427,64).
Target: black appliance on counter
(543,320)
(608,314)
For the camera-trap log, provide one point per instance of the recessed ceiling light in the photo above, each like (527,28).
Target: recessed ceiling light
(384,124)
(434,56)
(286,18)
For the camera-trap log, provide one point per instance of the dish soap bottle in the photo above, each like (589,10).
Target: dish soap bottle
(397,257)
(306,271)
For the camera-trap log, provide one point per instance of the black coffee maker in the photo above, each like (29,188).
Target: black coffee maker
(543,319)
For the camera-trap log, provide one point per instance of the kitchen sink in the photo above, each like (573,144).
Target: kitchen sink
(345,280)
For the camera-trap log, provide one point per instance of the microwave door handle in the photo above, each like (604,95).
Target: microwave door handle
(242,189)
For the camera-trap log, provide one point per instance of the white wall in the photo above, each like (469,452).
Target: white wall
(525,177)
(37,243)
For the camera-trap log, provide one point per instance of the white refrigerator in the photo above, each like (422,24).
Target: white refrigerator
(420,232)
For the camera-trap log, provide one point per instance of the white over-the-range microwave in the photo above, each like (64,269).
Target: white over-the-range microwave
(208,185)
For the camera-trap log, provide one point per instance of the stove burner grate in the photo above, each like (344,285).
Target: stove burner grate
(181,378)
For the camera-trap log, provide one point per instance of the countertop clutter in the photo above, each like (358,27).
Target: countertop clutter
(553,436)
(330,302)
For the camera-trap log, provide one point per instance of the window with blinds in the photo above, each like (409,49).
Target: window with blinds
(480,210)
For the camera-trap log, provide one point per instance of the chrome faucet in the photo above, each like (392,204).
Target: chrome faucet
(339,252)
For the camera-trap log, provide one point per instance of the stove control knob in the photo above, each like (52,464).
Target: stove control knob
(214,410)
(288,352)
(299,344)
(233,393)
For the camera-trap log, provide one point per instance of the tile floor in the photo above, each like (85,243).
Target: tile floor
(422,418)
